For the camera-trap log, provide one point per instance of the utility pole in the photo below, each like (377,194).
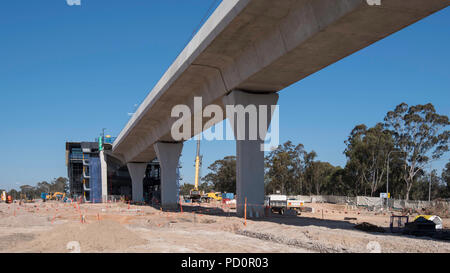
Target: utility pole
(429,187)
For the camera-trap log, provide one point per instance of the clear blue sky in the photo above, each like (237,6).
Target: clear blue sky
(66,72)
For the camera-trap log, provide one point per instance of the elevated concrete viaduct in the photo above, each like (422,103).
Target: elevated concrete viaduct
(257,47)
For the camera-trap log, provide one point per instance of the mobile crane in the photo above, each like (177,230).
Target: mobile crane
(195,195)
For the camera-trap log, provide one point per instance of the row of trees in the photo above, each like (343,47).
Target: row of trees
(60,184)
(399,150)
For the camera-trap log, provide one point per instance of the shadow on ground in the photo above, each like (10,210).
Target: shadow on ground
(300,221)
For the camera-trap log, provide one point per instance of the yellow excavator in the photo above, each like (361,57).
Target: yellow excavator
(58,196)
(53,196)
(214,196)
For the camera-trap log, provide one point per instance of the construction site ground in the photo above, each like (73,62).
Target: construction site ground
(207,228)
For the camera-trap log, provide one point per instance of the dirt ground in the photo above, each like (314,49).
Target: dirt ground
(118,227)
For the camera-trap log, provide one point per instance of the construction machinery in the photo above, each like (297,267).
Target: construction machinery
(420,227)
(27,194)
(58,196)
(433,218)
(26,198)
(398,223)
(423,225)
(214,196)
(52,196)
(3,196)
(195,195)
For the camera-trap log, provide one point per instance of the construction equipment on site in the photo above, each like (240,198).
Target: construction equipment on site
(398,223)
(26,198)
(195,195)
(58,196)
(3,196)
(197,165)
(214,196)
(425,225)
(420,227)
(433,218)
(52,196)
(27,194)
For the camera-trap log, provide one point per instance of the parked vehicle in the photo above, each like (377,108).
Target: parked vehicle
(195,196)
(295,204)
(277,203)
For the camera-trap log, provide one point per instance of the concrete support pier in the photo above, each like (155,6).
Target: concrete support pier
(249,151)
(137,173)
(169,156)
(104,176)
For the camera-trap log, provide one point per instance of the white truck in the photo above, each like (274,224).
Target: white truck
(279,203)
(295,204)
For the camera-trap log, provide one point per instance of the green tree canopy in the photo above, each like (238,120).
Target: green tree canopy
(222,176)
(186,188)
(446,178)
(284,169)
(419,133)
(367,151)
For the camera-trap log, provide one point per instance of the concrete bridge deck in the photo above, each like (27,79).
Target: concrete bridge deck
(260,46)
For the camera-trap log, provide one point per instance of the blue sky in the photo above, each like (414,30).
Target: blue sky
(66,72)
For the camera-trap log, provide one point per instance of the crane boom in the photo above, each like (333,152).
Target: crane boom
(197,164)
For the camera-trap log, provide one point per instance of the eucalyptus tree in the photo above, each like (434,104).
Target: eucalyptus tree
(284,169)
(367,152)
(222,175)
(420,135)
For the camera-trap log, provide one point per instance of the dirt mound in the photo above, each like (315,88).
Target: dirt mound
(369,227)
(103,236)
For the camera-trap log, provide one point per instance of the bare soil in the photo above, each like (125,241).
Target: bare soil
(55,226)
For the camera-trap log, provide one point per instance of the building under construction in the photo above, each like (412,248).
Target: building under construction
(95,175)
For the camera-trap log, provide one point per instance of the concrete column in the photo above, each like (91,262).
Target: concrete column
(137,173)
(104,176)
(249,151)
(169,156)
